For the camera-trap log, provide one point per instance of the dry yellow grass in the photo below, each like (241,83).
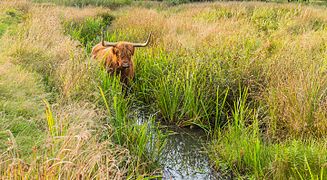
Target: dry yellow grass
(42,34)
(35,49)
(277,50)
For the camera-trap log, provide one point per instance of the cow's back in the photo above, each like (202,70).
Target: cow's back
(99,51)
(105,57)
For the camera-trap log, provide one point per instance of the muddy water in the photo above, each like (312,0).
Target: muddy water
(183,156)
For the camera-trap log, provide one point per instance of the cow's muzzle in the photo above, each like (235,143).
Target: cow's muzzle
(125,65)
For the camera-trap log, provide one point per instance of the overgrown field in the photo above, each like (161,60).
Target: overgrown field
(53,115)
(251,75)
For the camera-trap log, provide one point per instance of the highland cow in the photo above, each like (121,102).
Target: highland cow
(117,57)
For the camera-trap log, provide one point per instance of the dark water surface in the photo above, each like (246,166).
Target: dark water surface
(184,158)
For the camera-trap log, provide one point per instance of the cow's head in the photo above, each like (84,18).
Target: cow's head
(124,51)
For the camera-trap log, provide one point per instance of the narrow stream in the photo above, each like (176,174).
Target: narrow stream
(183,156)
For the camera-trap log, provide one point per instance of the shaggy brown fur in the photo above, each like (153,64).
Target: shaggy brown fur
(116,59)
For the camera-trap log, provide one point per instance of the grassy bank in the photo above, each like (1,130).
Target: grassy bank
(21,111)
(245,151)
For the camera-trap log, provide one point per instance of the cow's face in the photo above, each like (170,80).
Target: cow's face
(124,53)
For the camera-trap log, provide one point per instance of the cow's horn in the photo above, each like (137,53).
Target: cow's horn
(142,44)
(105,43)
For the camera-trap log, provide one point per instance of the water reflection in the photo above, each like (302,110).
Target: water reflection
(183,157)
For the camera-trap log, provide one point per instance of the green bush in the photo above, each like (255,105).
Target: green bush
(10,17)
(88,32)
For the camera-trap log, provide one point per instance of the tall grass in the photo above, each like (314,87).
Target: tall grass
(20,109)
(88,31)
(252,75)
(247,155)
(82,3)
(258,90)
(184,74)
(183,78)
(243,150)
(119,3)
(9,16)
(144,140)
(71,120)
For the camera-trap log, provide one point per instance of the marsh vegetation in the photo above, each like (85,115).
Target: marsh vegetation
(251,76)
